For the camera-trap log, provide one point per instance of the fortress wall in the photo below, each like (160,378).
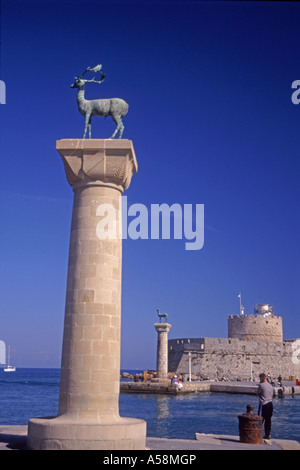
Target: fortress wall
(176,348)
(215,358)
(255,327)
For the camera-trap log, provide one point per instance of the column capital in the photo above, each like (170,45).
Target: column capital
(161,327)
(107,162)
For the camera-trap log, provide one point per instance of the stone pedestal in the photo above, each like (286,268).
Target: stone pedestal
(162,350)
(88,415)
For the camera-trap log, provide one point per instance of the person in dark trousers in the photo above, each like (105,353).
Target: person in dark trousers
(265,393)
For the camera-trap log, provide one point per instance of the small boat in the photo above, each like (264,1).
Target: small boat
(9,368)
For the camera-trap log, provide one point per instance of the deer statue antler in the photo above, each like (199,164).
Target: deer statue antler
(91,69)
(95,69)
(80,76)
(96,81)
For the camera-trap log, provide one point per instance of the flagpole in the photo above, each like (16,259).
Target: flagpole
(240,297)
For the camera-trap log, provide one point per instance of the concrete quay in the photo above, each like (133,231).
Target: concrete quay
(15,438)
(248,388)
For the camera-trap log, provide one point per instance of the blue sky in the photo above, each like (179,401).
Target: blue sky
(212,122)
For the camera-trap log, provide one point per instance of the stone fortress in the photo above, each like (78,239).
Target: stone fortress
(255,344)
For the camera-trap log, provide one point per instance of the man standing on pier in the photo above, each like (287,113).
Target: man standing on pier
(265,393)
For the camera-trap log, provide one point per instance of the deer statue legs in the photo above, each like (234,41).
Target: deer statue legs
(117,120)
(120,126)
(88,124)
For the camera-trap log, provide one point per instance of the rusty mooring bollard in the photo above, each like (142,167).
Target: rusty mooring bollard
(250,427)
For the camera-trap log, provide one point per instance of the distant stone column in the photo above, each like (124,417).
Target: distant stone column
(88,416)
(162,350)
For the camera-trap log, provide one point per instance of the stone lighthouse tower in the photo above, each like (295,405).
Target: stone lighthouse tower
(262,326)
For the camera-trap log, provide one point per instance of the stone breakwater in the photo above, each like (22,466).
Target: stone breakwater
(247,388)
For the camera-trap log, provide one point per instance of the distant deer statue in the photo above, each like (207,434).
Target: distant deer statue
(114,107)
(162,315)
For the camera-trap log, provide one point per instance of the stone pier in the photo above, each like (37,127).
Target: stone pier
(162,350)
(88,415)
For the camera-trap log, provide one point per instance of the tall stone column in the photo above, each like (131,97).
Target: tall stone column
(162,350)
(88,415)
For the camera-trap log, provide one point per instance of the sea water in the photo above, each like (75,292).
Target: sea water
(32,393)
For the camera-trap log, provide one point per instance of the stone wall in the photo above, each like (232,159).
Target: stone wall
(234,359)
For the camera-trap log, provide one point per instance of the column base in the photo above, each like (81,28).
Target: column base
(61,433)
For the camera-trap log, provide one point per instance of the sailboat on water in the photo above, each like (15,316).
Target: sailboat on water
(9,368)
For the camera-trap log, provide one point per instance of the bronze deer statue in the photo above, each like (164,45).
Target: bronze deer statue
(162,315)
(114,107)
